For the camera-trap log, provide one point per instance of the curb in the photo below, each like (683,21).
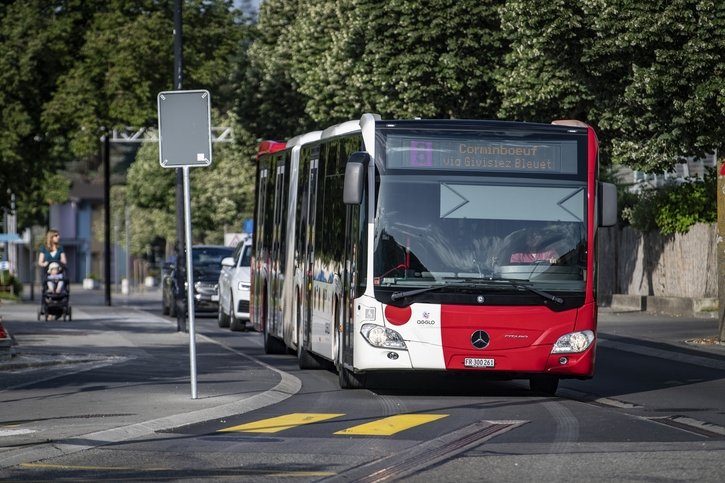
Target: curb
(677,306)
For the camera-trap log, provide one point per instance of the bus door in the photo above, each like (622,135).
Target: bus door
(260,266)
(353,276)
(309,275)
(345,324)
(278,223)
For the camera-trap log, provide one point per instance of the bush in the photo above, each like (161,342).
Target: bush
(673,208)
(8,280)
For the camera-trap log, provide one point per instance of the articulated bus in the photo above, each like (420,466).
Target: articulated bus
(432,245)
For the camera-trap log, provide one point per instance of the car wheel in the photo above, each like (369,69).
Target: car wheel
(222,318)
(235,324)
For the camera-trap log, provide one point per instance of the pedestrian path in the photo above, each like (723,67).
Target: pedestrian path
(135,363)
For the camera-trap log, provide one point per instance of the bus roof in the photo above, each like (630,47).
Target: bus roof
(304,138)
(557,126)
(341,129)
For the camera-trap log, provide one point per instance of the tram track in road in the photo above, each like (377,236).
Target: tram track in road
(426,454)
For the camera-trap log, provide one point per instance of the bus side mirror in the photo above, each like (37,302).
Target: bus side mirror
(352,193)
(607,204)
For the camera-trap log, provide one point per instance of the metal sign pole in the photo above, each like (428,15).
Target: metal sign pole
(185,142)
(189,279)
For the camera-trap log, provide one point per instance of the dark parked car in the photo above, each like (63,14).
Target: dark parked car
(207,262)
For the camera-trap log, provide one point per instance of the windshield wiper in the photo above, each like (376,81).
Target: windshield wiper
(412,293)
(521,286)
(542,293)
(473,283)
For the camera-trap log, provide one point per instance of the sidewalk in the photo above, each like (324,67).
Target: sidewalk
(115,373)
(141,295)
(677,306)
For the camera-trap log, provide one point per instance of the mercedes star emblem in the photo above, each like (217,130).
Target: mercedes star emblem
(480,339)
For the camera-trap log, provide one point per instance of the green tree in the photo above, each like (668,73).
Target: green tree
(38,40)
(70,69)
(404,58)
(542,77)
(659,71)
(127,58)
(269,104)
(318,62)
(222,195)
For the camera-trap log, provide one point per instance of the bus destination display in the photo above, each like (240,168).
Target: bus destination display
(463,154)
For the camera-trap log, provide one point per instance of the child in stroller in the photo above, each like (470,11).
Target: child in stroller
(55,297)
(54,281)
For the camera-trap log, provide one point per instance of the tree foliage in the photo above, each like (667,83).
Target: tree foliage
(649,76)
(221,194)
(37,43)
(659,67)
(71,70)
(268,102)
(542,76)
(126,59)
(400,58)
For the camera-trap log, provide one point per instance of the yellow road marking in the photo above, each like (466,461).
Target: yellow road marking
(280,423)
(391,425)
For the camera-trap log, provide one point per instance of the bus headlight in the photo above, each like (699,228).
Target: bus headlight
(379,336)
(573,342)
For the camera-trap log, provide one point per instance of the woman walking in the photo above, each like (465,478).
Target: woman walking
(52,250)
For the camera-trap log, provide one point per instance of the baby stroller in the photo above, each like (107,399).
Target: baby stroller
(55,298)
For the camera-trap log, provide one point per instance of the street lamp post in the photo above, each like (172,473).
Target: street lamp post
(106,155)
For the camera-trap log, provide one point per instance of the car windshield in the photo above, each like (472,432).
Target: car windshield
(441,229)
(211,255)
(246,256)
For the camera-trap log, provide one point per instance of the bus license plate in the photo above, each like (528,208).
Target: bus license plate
(478,362)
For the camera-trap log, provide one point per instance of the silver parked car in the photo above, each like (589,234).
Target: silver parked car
(234,284)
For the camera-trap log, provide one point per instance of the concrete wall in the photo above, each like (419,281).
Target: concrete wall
(634,263)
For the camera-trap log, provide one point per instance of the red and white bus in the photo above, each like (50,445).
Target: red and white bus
(432,245)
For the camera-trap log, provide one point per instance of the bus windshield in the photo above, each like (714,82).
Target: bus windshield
(442,227)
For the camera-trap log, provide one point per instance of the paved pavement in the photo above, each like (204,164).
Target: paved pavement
(137,377)
(144,383)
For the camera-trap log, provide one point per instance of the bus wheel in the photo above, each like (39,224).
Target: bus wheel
(350,380)
(544,384)
(305,360)
(272,345)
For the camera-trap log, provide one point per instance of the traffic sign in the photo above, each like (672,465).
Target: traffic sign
(184,128)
